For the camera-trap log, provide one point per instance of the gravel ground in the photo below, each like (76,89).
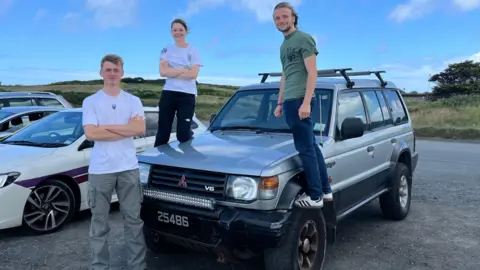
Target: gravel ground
(441,232)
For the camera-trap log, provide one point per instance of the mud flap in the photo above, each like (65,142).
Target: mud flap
(331,220)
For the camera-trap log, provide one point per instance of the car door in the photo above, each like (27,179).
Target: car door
(351,160)
(379,128)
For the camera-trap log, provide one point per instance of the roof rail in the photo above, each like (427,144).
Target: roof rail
(319,72)
(41,92)
(337,73)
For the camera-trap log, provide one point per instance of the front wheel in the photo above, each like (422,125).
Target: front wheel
(49,206)
(304,244)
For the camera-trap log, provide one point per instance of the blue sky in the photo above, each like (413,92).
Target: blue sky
(56,40)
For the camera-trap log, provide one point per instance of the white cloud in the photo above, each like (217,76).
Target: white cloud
(262,9)
(40,14)
(5,5)
(467,4)
(113,13)
(415,9)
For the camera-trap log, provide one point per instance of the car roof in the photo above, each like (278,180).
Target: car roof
(21,109)
(326,80)
(145,108)
(27,93)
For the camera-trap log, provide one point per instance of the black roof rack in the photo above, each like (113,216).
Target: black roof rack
(335,73)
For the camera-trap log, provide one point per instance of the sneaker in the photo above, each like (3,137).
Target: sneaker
(328,197)
(304,201)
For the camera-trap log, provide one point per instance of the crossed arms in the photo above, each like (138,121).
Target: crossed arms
(179,73)
(136,126)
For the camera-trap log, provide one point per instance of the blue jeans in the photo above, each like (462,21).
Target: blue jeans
(309,151)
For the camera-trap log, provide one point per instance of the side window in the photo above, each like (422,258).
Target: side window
(386,113)
(350,105)
(16,102)
(151,122)
(396,107)
(49,102)
(374,110)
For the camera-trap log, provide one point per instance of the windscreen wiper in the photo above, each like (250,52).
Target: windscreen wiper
(235,128)
(30,143)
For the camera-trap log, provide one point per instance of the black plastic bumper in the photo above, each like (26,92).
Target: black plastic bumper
(239,234)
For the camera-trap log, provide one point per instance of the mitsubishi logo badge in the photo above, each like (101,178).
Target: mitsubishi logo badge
(182,182)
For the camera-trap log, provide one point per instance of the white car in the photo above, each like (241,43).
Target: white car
(43,169)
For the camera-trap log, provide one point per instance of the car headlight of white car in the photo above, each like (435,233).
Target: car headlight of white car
(248,188)
(8,178)
(144,172)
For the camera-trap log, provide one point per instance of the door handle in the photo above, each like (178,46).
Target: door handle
(370,149)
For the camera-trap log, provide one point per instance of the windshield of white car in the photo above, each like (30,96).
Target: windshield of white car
(58,129)
(4,114)
(254,110)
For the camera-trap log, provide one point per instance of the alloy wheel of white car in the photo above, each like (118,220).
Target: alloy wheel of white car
(49,206)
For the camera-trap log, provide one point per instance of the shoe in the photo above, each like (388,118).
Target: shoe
(304,201)
(328,197)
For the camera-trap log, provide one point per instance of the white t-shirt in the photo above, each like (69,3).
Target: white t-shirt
(178,57)
(103,109)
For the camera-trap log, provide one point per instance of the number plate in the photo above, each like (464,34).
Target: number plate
(174,219)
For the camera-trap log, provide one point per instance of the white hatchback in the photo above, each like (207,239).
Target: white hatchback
(43,169)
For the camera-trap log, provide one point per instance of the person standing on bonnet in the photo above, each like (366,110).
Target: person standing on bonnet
(296,98)
(179,63)
(111,118)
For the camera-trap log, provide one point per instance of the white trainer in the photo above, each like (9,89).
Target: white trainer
(328,197)
(304,201)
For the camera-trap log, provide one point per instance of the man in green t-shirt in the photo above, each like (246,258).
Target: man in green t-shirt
(296,98)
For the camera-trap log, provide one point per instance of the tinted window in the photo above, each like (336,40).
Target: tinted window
(374,110)
(16,102)
(396,107)
(50,102)
(350,105)
(386,114)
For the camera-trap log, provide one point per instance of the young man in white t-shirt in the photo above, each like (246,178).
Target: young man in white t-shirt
(111,118)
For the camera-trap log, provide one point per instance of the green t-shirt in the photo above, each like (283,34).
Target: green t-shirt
(295,48)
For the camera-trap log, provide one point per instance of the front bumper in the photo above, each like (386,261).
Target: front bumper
(232,233)
(12,200)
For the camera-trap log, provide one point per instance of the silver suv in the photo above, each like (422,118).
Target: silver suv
(39,98)
(230,191)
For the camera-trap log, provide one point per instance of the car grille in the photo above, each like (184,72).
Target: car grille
(195,182)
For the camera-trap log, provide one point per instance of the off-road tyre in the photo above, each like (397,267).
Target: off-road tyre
(395,204)
(286,255)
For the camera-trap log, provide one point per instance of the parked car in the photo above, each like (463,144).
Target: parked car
(231,191)
(13,119)
(43,169)
(35,98)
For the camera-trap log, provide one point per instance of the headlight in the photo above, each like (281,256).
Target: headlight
(247,188)
(144,172)
(242,188)
(8,178)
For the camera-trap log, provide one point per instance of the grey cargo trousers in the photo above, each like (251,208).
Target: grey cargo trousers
(129,192)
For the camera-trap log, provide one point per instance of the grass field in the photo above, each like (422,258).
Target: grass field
(453,118)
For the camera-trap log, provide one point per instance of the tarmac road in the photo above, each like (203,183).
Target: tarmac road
(441,232)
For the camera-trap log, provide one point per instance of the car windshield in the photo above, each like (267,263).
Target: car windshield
(253,110)
(56,130)
(4,114)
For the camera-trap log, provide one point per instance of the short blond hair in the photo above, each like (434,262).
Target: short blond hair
(113,58)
